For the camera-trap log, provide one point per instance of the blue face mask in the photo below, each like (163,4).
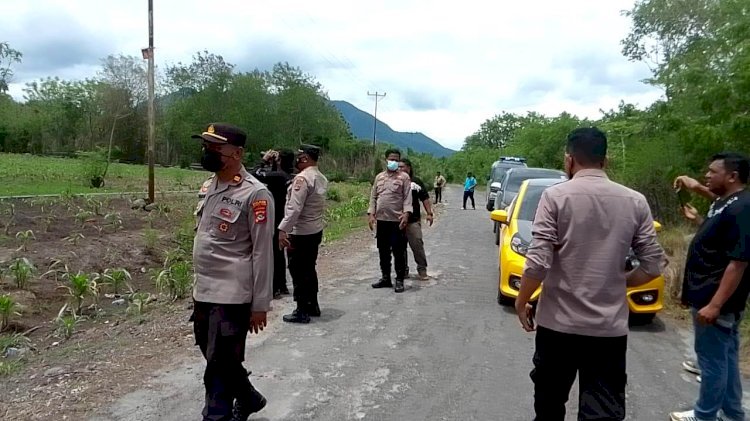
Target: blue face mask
(392,165)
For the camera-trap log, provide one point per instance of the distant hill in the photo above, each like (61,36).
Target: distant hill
(360,123)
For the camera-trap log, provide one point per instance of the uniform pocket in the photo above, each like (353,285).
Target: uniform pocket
(395,186)
(380,187)
(224,221)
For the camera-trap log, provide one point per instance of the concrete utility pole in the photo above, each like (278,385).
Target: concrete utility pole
(149,53)
(375,120)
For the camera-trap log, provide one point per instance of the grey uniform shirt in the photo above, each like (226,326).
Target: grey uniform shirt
(305,203)
(582,233)
(390,196)
(233,246)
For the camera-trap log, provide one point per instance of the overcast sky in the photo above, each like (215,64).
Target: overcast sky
(445,68)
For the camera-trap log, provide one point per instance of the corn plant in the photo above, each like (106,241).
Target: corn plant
(114,220)
(13,340)
(84,216)
(66,323)
(176,280)
(94,205)
(8,309)
(150,237)
(22,270)
(11,212)
(174,256)
(25,237)
(116,278)
(80,286)
(74,238)
(138,302)
(48,221)
(57,268)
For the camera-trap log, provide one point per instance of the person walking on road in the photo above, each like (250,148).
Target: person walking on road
(582,319)
(388,214)
(717,284)
(414,227)
(301,232)
(233,261)
(469,185)
(275,171)
(438,185)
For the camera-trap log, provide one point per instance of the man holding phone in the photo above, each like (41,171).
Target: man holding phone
(583,314)
(717,284)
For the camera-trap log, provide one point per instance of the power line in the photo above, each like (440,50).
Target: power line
(378,97)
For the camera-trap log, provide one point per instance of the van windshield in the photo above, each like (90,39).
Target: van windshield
(501,169)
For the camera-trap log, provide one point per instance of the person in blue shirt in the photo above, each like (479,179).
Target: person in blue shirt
(469,186)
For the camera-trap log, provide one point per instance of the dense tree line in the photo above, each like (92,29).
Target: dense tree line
(699,53)
(282,107)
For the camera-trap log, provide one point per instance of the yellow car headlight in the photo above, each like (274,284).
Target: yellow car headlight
(518,245)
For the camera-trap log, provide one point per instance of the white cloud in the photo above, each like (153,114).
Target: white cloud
(446,67)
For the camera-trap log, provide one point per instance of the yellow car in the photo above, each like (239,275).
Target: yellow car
(515,235)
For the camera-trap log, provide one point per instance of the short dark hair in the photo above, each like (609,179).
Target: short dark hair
(735,162)
(588,145)
(392,150)
(469,174)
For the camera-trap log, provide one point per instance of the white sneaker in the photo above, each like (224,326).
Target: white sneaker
(691,367)
(698,378)
(684,416)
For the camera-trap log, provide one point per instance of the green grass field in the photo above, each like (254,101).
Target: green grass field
(33,175)
(23,175)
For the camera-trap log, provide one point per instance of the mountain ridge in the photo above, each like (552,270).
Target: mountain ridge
(360,123)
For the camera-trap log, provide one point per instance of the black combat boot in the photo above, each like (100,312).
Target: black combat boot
(313,308)
(251,403)
(399,285)
(298,316)
(384,282)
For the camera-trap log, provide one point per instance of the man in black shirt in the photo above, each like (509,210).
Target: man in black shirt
(419,195)
(717,283)
(275,171)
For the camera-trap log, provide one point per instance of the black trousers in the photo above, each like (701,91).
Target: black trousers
(391,240)
(303,256)
(469,195)
(438,194)
(220,332)
(279,264)
(600,365)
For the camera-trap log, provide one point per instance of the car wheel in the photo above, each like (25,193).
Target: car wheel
(642,318)
(503,300)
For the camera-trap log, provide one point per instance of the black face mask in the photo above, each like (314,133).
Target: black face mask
(298,161)
(211,160)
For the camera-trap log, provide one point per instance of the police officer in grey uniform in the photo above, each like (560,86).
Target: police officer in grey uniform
(301,232)
(233,261)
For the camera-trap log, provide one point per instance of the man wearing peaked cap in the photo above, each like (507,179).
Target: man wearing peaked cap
(301,232)
(233,261)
